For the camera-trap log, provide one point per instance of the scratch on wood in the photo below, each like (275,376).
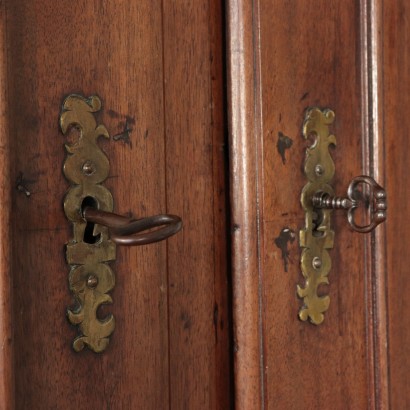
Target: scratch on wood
(21,185)
(304,96)
(285,237)
(186,319)
(216,315)
(283,144)
(130,120)
(125,135)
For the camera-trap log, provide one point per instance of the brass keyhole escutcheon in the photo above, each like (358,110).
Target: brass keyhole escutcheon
(318,200)
(88,205)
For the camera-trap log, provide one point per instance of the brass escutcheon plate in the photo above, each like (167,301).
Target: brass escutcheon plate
(317,236)
(86,167)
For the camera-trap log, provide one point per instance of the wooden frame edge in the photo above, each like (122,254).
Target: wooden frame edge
(6,339)
(242,121)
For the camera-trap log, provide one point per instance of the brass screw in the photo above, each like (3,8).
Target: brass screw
(317,262)
(88,168)
(92,281)
(319,170)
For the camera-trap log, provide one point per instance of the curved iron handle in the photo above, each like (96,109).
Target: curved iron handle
(377,200)
(123,230)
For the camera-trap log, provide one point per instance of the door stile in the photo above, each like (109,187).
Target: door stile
(6,346)
(396,129)
(242,120)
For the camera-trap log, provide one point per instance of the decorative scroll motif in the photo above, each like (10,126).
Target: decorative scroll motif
(86,167)
(317,237)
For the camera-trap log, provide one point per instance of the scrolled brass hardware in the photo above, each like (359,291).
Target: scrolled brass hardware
(88,206)
(318,201)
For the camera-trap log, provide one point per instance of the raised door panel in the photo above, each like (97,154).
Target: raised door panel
(284,58)
(309,58)
(157,67)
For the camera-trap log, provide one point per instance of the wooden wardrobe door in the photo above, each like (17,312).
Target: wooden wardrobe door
(158,68)
(283,58)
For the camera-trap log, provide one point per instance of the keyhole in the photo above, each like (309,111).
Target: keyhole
(89,201)
(317,222)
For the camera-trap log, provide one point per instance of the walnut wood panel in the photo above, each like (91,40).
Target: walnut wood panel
(195,175)
(298,56)
(322,365)
(166,351)
(396,83)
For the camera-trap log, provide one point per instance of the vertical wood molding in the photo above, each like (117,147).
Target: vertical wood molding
(242,120)
(6,351)
(373,164)
(395,130)
(154,71)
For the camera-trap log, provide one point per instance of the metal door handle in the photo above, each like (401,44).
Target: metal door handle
(128,231)
(318,201)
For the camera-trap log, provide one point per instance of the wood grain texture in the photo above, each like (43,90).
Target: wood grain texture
(194,129)
(6,345)
(396,83)
(323,366)
(293,56)
(150,62)
(244,204)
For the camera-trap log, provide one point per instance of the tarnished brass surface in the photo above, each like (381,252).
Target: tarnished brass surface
(86,167)
(317,236)
(318,201)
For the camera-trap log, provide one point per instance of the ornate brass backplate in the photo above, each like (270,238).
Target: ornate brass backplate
(86,167)
(318,201)
(317,236)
